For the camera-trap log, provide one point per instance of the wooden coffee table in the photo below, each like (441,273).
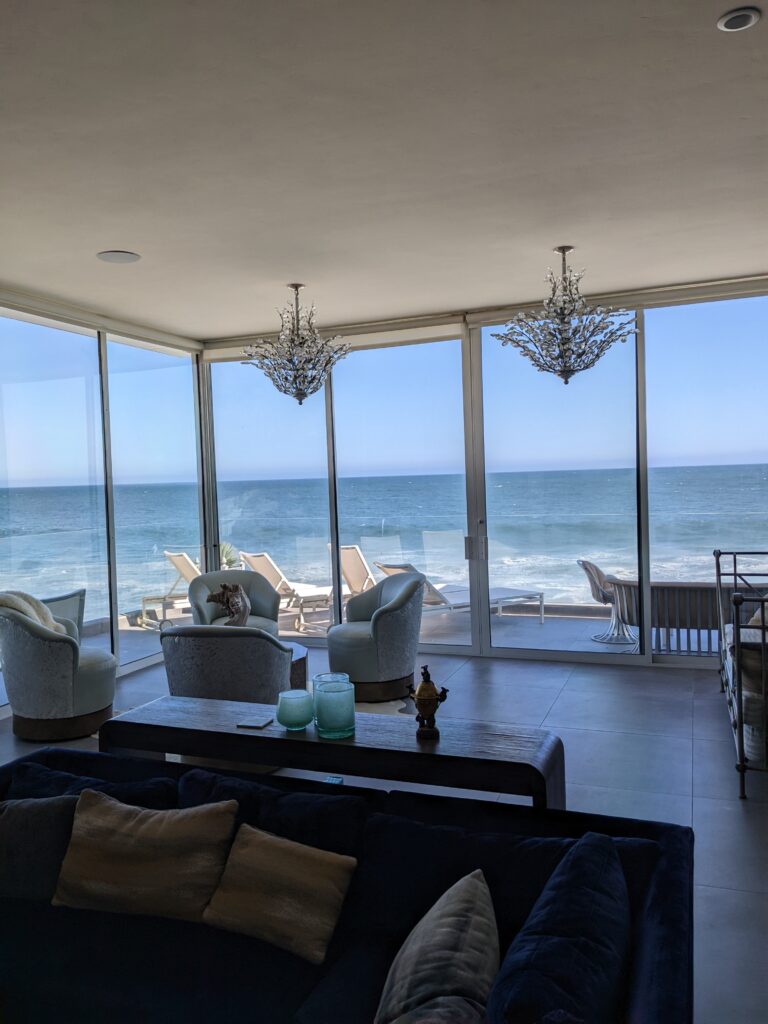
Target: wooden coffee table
(469,755)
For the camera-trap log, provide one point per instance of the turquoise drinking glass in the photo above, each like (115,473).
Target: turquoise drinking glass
(334,705)
(295,709)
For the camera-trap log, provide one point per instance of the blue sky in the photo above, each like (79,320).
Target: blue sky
(398,410)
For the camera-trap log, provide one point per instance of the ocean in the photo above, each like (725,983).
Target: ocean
(52,539)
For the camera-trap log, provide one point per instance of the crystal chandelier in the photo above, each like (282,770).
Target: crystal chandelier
(567,336)
(298,360)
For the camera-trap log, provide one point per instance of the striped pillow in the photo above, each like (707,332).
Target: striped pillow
(129,860)
(445,968)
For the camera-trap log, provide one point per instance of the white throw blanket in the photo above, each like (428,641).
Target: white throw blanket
(27,605)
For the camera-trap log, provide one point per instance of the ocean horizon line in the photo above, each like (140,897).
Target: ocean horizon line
(384,476)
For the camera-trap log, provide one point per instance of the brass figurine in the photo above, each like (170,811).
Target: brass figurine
(427,701)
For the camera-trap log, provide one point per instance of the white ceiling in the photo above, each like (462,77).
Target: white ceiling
(400,156)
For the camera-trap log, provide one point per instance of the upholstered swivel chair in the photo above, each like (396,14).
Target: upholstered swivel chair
(377,645)
(225,663)
(600,585)
(265,600)
(57,689)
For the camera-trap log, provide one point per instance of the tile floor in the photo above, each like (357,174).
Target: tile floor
(639,742)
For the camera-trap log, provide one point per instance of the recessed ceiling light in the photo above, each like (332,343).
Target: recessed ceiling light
(739,18)
(118,256)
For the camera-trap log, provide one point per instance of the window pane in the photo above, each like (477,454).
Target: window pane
(157,511)
(400,460)
(272,488)
(561,488)
(52,519)
(707,455)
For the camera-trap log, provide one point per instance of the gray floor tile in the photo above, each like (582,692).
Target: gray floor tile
(494,703)
(715,775)
(730,976)
(514,673)
(711,720)
(630,803)
(708,685)
(655,764)
(609,711)
(640,681)
(731,843)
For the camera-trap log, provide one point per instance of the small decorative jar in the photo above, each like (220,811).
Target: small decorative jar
(334,705)
(294,709)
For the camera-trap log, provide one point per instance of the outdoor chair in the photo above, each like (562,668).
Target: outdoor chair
(186,571)
(301,596)
(265,600)
(378,643)
(618,631)
(68,606)
(57,689)
(225,663)
(453,597)
(355,570)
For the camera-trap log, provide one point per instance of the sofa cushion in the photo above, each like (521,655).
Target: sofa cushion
(571,955)
(31,780)
(420,862)
(445,968)
(134,861)
(285,893)
(34,835)
(60,966)
(404,868)
(332,823)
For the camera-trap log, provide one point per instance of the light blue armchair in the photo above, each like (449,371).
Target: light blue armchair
(57,690)
(378,643)
(225,663)
(265,600)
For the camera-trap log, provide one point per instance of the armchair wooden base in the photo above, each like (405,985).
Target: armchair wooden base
(53,730)
(378,693)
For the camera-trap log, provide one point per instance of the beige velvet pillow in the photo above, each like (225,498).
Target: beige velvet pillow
(282,892)
(135,861)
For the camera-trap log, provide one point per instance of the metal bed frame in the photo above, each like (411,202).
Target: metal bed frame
(741,592)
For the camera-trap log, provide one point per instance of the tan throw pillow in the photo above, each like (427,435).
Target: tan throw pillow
(129,860)
(282,892)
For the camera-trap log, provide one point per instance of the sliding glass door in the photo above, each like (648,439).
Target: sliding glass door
(561,500)
(401,481)
(53,537)
(272,491)
(158,533)
(706,374)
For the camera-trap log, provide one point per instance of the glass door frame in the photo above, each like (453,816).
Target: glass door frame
(478,520)
(206,472)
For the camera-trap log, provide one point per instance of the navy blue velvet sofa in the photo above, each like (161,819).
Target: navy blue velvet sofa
(58,964)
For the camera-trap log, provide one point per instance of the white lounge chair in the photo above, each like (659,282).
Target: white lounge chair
(453,597)
(355,570)
(301,596)
(186,572)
